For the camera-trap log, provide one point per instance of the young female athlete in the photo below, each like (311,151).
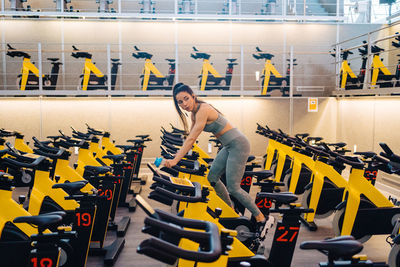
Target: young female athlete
(231,160)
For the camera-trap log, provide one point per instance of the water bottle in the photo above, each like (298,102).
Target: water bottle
(158,161)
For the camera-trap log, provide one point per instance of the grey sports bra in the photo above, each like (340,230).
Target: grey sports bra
(217,125)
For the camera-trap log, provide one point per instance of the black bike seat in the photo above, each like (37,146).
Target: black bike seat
(126,147)
(368,154)
(208,160)
(251,158)
(118,157)
(39,220)
(97,169)
(259,174)
(54,59)
(71,188)
(58,212)
(340,145)
(284,198)
(335,248)
(170,60)
(231,59)
(136,141)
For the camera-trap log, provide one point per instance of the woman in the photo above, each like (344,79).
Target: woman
(231,159)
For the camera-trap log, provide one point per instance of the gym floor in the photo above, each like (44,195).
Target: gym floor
(376,248)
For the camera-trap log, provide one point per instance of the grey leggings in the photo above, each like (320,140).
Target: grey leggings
(232,160)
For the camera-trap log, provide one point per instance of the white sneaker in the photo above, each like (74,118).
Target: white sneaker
(268,225)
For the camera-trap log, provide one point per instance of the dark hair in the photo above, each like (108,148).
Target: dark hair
(178,88)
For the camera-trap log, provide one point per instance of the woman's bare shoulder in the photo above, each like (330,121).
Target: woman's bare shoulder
(205,107)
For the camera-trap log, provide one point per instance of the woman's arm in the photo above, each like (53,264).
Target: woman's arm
(197,128)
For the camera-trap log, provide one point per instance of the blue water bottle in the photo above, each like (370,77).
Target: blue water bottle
(158,161)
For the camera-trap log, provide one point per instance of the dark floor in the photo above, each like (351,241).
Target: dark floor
(376,248)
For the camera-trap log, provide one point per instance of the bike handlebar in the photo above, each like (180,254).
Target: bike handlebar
(209,240)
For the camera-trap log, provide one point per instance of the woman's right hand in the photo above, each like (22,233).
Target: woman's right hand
(169,163)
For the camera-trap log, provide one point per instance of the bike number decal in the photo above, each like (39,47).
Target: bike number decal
(107,193)
(44,262)
(84,219)
(287,234)
(246,181)
(263,203)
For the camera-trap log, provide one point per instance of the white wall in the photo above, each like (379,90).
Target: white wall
(127,117)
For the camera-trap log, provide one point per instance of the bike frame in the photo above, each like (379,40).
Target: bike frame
(207,68)
(147,70)
(268,69)
(87,69)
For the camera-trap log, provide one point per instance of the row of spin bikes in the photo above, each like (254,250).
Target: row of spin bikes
(92,78)
(380,75)
(68,209)
(204,231)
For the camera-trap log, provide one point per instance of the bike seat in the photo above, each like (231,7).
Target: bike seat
(209,160)
(368,154)
(96,170)
(136,141)
(336,248)
(118,157)
(54,59)
(39,220)
(71,188)
(284,198)
(170,60)
(58,212)
(260,175)
(231,59)
(251,158)
(340,145)
(125,147)
(115,59)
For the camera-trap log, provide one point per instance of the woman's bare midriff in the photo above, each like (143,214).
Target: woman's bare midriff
(227,127)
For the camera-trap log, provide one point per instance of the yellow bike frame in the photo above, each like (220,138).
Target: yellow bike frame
(26,67)
(346,70)
(42,187)
(21,146)
(87,69)
(147,70)
(298,161)
(377,67)
(357,186)
(319,172)
(207,68)
(268,69)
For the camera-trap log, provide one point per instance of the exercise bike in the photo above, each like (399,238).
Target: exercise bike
(151,78)
(92,78)
(86,213)
(194,197)
(365,211)
(341,251)
(209,77)
(29,77)
(271,79)
(380,75)
(179,241)
(353,82)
